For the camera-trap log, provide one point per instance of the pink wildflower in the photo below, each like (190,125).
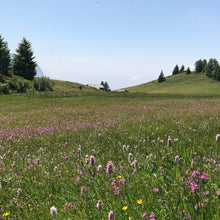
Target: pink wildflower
(53,211)
(99,205)
(130,157)
(109,167)
(19,192)
(176,158)
(111,215)
(169,142)
(218,137)
(156,190)
(218,193)
(92,160)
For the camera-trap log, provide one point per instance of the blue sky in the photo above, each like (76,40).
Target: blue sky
(123,42)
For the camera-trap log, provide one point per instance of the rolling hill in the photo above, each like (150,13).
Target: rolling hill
(182,83)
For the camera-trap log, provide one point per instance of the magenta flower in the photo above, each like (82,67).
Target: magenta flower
(92,160)
(169,142)
(53,211)
(109,167)
(19,192)
(218,193)
(111,215)
(177,158)
(130,157)
(99,205)
(156,190)
(87,159)
(218,137)
(145,215)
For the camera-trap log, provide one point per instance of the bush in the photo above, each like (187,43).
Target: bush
(43,84)
(4,88)
(19,85)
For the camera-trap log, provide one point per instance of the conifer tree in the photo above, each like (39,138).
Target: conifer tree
(182,69)
(176,70)
(4,58)
(23,62)
(188,71)
(161,77)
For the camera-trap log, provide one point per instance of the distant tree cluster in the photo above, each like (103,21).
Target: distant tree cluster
(178,70)
(106,86)
(210,68)
(23,63)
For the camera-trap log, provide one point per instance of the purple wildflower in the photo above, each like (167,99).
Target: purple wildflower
(111,215)
(169,142)
(99,205)
(53,211)
(109,167)
(92,160)
(218,137)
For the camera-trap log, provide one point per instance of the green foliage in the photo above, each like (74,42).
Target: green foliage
(188,71)
(176,70)
(43,83)
(23,62)
(199,65)
(19,85)
(4,88)
(161,77)
(106,86)
(182,69)
(4,58)
(212,69)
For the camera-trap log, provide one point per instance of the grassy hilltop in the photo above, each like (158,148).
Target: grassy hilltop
(182,83)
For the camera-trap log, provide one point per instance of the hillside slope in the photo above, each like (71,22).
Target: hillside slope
(182,83)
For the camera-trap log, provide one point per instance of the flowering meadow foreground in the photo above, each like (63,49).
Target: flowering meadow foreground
(109,158)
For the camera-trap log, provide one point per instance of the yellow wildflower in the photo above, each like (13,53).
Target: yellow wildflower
(125,208)
(118,177)
(130,218)
(6,214)
(139,201)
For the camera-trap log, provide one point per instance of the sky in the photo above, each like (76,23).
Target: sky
(123,42)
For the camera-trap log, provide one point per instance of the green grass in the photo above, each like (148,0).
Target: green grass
(182,83)
(40,135)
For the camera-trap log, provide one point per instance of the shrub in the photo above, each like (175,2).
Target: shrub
(19,85)
(43,84)
(4,88)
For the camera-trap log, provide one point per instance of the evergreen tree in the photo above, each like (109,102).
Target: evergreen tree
(5,61)
(182,69)
(188,71)
(210,67)
(199,65)
(216,73)
(106,87)
(176,70)
(23,62)
(161,77)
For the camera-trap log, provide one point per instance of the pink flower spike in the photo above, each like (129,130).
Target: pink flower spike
(99,205)
(111,215)
(53,211)
(218,137)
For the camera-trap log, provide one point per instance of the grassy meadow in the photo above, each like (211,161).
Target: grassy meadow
(94,155)
(182,83)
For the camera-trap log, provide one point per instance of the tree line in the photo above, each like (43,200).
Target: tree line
(22,64)
(210,68)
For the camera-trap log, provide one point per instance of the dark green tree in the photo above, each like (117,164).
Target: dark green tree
(106,87)
(199,65)
(176,70)
(188,71)
(161,77)
(216,73)
(5,61)
(23,62)
(210,67)
(182,69)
